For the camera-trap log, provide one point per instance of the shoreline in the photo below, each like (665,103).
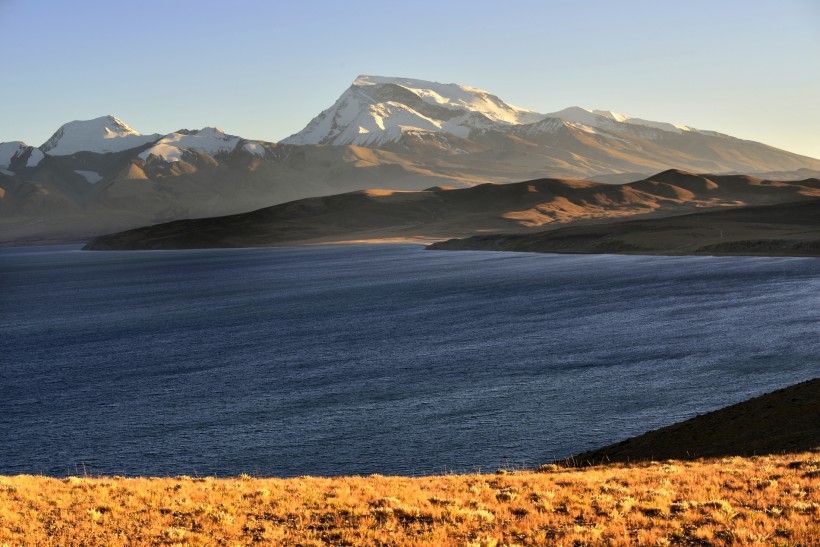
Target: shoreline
(721,500)
(429,244)
(433,244)
(635,253)
(790,416)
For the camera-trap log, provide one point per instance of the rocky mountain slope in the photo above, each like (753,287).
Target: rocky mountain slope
(100,175)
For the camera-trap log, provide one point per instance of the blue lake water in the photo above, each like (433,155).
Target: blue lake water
(377,359)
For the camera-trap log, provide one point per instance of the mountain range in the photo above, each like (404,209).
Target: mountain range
(98,176)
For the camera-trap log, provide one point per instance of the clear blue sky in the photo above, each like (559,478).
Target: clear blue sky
(263,69)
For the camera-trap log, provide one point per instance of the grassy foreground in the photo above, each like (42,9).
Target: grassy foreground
(759,500)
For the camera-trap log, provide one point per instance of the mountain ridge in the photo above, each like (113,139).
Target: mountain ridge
(98,176)
(359,115)
(99,135)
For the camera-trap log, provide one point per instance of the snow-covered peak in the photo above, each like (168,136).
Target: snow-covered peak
(377,109)
(100,135)
(211,140)
(8,151)
(611,115)
(606,119)
(663,126)
(18,152)
(457,97)
(578,115)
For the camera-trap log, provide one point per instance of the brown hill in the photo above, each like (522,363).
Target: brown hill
(788,229)
(784,421)
(439,213)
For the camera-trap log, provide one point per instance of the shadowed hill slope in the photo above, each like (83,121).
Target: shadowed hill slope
(440,213)
(784,421)
(788,229)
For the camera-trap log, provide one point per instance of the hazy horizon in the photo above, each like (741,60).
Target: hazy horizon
(263,71)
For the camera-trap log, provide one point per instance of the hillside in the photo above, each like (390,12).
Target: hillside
(784,421)
(441,213)
(788,229)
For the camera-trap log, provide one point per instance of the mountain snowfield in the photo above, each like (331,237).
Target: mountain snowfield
(606,119)
(108,134)
(19,154)
(100,175)
(100,136)
(210,140)
(376,110)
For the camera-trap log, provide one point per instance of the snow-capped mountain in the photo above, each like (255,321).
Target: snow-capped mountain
(100,175)
(108,134)
(210,140)
(606,120)
(17,154)
(376,110)
(100,135)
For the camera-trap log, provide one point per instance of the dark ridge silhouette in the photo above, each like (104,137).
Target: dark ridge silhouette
(783,421)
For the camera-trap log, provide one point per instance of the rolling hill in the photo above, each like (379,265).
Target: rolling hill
(785,229)
(442,213)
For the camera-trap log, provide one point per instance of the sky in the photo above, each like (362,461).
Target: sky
(264,69)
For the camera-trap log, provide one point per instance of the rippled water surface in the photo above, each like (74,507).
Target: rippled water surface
(377,359)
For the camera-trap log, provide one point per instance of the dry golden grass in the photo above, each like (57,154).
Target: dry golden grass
(767,500)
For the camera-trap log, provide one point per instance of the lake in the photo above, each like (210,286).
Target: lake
(385,359)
